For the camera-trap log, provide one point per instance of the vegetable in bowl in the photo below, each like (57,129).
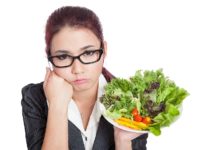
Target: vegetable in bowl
(146,101)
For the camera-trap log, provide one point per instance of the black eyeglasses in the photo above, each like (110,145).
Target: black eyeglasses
(87,57)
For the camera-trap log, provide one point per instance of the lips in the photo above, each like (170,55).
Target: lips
(80,81)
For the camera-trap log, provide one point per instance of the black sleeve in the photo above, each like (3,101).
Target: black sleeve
(140,142)
(34,111)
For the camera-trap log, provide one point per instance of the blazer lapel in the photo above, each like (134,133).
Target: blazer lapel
(104,137)
(75,137)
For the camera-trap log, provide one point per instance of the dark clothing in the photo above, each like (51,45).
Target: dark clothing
(35,111)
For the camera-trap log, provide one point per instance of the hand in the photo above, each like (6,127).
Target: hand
(57,90)
(123,139)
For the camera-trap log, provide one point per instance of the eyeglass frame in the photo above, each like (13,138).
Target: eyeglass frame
(100,50)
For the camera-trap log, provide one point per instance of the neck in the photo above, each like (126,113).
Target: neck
(85,101)
(87,97)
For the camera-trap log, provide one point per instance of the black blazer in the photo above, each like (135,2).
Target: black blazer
(35,110)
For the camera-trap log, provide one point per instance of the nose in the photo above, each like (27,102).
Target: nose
(77,67)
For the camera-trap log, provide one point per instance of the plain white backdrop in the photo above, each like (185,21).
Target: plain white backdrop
(173,35)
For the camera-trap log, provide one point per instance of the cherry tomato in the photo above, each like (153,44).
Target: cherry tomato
(138,118)
(135,112)
(146,120)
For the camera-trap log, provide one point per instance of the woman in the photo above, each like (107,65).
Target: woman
(63,112)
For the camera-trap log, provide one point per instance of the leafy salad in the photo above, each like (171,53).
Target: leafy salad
(146,101)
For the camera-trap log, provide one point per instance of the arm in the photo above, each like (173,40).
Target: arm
(58,93)
(56,135)
(34,115)
(129,141)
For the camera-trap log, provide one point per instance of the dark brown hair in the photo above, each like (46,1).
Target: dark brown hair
(72,16)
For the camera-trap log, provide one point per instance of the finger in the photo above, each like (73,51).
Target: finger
(46,76)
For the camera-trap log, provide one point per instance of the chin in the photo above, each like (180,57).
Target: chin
(83,86)
(80,89)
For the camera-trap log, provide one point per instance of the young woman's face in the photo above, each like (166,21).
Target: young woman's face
(75,41)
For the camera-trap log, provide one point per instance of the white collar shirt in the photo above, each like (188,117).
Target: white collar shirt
(74,116)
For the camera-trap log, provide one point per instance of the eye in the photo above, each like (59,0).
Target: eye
(89,53)
(62,57)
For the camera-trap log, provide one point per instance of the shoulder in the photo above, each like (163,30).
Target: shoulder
(33,91)
(33,96)
(32,88)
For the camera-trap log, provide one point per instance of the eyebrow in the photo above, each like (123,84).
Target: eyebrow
(86,47)
(68,52)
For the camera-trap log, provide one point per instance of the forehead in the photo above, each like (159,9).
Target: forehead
(72,39)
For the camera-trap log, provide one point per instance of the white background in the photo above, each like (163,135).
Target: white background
(173,35)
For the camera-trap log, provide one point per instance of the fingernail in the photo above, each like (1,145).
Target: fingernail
(47,69)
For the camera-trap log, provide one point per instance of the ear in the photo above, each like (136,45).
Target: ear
(105,48)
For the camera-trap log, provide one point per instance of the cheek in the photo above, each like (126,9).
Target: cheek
(96,69)
(64,73)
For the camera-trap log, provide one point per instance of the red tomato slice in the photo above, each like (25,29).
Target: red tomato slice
(135,112)
(138,118)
